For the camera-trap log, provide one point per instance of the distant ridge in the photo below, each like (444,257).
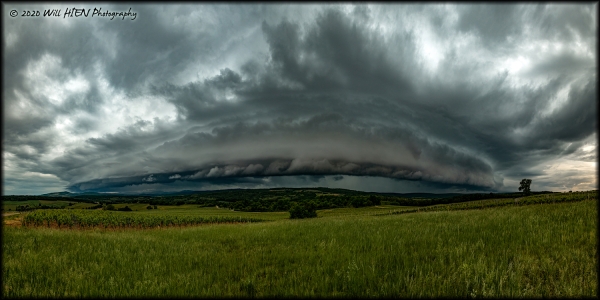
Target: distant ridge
(157,193)
(192,192)
(426,195)
(57,194)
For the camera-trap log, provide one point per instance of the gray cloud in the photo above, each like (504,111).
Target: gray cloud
(322,145)
(433,98)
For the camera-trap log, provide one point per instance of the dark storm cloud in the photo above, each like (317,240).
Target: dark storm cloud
(502,25)
(335,66)
(492,23)
(336,53)
(206,100)
(568,22)
(566,63)
(323,145)
(108,183)
(457,97)
(575,121)
(113,152)
(148,45)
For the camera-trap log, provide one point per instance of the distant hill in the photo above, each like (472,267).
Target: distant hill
(312,189)
(57,194)
(423,195)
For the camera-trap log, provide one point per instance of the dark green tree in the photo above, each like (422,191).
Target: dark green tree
(525,186)
(126,208)
(301,211)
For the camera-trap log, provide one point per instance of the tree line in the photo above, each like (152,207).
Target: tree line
(273,200)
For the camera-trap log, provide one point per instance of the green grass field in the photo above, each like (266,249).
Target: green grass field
(193,210)
(12,205)
(540,250)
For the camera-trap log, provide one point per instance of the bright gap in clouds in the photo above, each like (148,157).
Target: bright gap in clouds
(47,79)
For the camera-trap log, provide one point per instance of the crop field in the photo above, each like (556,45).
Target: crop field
(539,247)
(111,219)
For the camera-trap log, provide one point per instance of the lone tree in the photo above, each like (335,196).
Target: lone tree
(525,186)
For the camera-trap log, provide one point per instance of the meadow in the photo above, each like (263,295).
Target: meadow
(543,249)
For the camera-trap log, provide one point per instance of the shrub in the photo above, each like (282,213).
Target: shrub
(93,207)
(149,207)
(301,211)
(25,207)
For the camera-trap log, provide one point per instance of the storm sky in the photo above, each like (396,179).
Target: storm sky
(371,97)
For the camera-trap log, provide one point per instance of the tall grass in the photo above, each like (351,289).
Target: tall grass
(528,251)
(481,204)
(194,210)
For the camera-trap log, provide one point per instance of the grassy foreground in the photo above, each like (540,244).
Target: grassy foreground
(544,250)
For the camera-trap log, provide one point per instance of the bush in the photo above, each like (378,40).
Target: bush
(93,207)
(149,207)
(301,211)
(126,208)
(25,207)
(109,207)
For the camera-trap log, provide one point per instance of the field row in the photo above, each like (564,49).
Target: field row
(110,219)
(536,199)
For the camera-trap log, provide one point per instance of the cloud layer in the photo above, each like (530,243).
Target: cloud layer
(374,97)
